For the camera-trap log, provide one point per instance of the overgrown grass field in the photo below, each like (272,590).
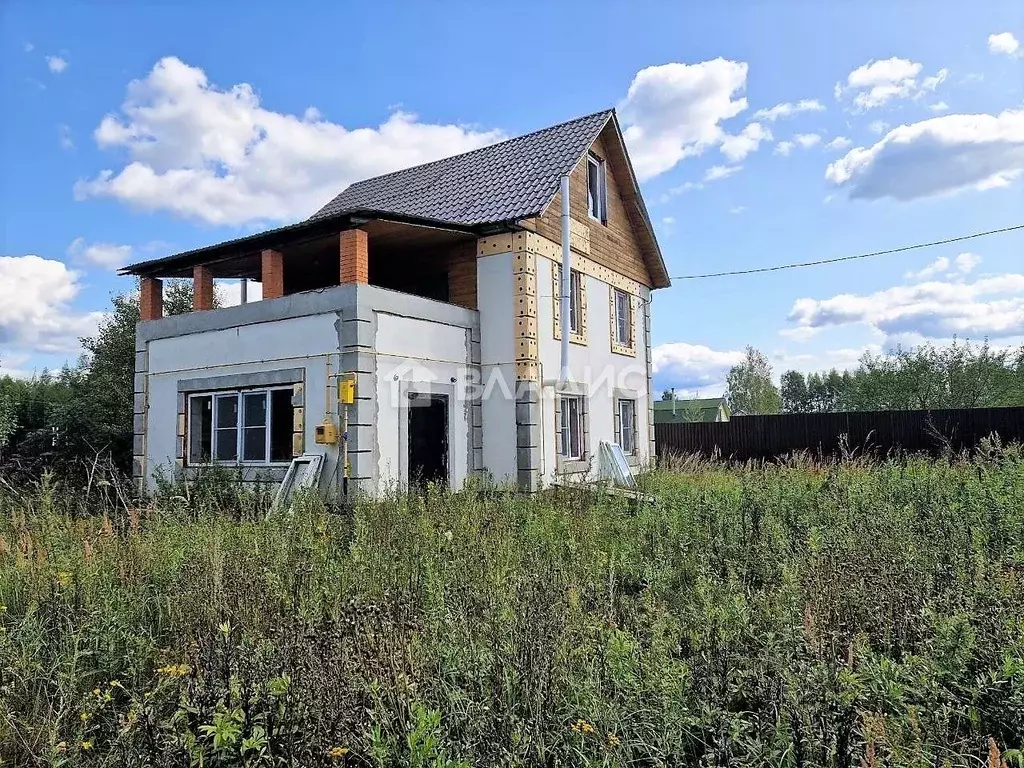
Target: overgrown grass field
(852,614)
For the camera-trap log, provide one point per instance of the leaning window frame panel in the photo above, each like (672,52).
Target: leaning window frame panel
(240,427)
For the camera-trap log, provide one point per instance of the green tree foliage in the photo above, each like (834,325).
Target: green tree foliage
(961,375)
(794,393)
(85,410)
(8,420)
(749,386)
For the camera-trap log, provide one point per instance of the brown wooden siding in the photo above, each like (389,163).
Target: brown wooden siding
(445,272)
(613,245)
(462,274)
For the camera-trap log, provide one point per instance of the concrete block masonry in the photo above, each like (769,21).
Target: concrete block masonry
(287,341)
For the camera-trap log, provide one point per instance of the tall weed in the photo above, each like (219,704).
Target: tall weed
(795,614)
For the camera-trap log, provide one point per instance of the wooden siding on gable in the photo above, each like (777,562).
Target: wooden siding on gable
(613,245)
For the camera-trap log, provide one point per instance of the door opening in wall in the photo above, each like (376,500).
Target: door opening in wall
(428,439)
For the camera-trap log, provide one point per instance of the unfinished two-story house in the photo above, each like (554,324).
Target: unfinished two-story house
(462,318)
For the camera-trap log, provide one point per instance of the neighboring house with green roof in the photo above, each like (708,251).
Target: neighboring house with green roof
(699,409)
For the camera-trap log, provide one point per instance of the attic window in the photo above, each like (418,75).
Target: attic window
(597,189)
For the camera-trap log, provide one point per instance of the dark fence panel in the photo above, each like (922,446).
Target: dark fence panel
(762,437)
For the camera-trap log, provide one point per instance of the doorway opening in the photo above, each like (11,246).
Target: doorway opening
(428,439)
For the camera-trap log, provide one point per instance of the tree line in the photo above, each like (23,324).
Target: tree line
(959,375)
(67,419)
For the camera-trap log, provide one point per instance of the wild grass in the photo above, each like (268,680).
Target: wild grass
(798,614)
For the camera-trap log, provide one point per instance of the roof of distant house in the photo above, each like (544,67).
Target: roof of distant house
(696,409)
(486,190)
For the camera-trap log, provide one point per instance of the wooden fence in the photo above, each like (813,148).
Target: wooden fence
(759,437)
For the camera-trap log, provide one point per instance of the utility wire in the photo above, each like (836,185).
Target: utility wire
(778,267)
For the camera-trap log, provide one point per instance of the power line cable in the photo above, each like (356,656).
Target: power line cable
(819,262)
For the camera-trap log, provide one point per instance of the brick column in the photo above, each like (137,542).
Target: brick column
(272,274)
(355,263)
(151,299)
(202,289)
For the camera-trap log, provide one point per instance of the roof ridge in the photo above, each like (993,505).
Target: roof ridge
(608,111)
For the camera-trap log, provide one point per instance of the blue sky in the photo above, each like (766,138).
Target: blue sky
(138,130)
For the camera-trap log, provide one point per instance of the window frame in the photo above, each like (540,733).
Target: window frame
(620,432)
(577,325)
(598,164)
(627,323)
(239,428)
(576,288)
(565,428)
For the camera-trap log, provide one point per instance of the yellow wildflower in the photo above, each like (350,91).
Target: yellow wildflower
(85,717)
(95,691)
(613,740)
(336,753)
(64,578)
(582,726)
(116,684)
(86,745)
(175,670)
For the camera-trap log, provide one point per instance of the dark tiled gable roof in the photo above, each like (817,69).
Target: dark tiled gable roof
(513,179)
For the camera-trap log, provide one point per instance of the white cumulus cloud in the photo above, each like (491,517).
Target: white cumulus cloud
(35,306)
(802,140)
(717,172)
(230,292)
(839,143)
(933,82)
(788,109)
(737,147)
(936,267)
(991,306)
(878,82)
(935,156)
(56,64)
(107,255)
(1004,43)
(966,262)
(675,110)
(692,366)
(218,155)
(962,264)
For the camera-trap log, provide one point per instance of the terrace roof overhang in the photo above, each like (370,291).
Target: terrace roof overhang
(240,257)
